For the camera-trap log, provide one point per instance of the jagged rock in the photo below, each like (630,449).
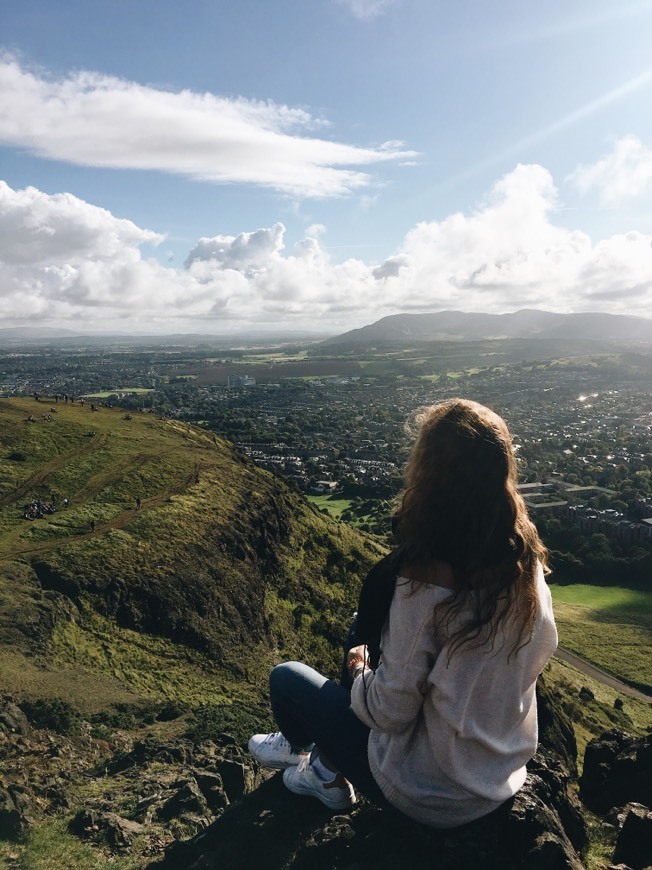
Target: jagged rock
(181,751)
(119,832)
(541,828)
(58,797)
(272,828)
(212,788)
(549,782)
(238,778)
(12,719)
(114,830)
(634,844)
(617,771)
(11,822)
(83,822)
(24,803)
(145,807)
(187,800)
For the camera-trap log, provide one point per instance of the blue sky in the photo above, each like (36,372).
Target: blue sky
(317,164)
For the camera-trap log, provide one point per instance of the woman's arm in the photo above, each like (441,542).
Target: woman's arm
(389,699)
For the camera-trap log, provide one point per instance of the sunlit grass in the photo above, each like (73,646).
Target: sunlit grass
(609,626)
(334,506)
(129,390)
(49,846)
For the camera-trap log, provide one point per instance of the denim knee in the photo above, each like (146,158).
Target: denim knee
(279,678)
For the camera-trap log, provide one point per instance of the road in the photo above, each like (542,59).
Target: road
(601,676)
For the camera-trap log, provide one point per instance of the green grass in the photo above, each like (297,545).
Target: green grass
(595,720)
(106,393)
(148,667)
(50,847)
(334,506)
(609,626)
(278,356)
(610,598)
(221,555)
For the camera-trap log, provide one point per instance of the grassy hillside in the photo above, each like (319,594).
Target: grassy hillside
(220,572)
(610,626)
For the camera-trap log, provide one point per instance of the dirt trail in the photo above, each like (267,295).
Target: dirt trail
(601,676)
(9,548)
(50,467)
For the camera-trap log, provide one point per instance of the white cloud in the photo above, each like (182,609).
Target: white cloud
(314,231)
(367,9)
(68,263)
(37,229)
(246,252)
(509,255)
(624,174)
(96,120)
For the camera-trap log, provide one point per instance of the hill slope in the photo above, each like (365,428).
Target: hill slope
(221,571)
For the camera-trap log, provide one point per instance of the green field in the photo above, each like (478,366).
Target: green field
(277,356)
(106,393)
(610,626)
(334,506)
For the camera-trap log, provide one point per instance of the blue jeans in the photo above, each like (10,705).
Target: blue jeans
(311,710)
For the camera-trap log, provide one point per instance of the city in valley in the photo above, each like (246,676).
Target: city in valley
(332,419)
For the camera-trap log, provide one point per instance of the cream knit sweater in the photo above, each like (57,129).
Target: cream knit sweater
(449,740)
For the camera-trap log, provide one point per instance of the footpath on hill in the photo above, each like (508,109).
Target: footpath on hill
(599,675)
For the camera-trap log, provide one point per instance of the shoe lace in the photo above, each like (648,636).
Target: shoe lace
(277,740)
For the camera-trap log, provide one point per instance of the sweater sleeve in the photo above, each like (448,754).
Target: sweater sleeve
(389,699)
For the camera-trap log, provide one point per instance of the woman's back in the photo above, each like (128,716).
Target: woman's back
(451,733)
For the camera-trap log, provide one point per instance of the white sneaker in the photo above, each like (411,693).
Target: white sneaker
(273,750)
(336,795)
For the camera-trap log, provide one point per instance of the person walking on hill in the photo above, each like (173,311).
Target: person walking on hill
(453,629)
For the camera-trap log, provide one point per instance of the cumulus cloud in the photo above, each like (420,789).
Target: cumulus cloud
(624,174)
(68,263)
(38,229)
(97,120)
(246,252)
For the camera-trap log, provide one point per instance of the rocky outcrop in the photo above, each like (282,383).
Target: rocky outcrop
(634,844)
(11,821)
(150,791)
(272,828)
(617,771)
(206,804)
(103,827)
(12,718)
(617,782)
(541,827)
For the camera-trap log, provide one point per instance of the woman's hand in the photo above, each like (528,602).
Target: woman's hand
(357,660)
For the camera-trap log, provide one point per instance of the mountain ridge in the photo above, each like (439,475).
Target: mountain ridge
(524,323)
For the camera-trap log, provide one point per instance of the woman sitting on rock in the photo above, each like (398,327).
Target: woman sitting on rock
(453,629)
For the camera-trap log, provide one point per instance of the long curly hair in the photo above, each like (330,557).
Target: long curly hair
(461,505)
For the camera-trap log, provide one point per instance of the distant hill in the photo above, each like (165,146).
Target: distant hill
(524,324)
(14,334)
(11,337)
